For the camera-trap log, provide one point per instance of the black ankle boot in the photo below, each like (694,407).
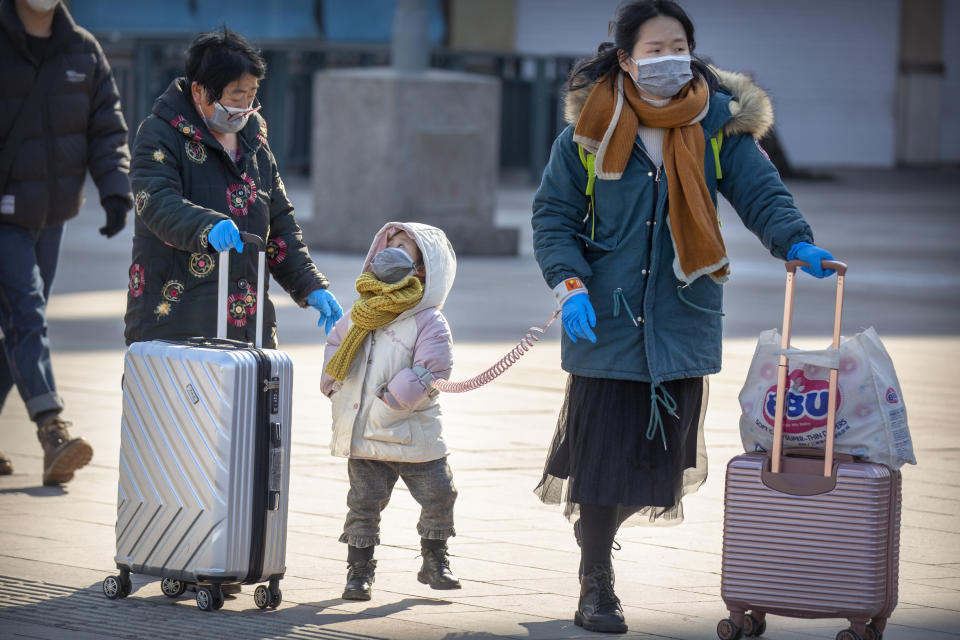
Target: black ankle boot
(436,566)
(599,607)
(360,569)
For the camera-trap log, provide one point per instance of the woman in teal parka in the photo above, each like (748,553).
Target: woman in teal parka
(637,267)
(202,173)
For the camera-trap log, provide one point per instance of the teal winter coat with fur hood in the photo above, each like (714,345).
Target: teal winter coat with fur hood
(631,252)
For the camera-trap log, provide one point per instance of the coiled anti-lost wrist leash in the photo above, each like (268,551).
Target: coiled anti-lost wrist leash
(502,365)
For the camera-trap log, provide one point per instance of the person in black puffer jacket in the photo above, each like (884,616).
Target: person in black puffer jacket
(75,125)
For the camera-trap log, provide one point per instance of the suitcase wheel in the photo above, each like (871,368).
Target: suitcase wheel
(849,634)
(276,599)
(261,597)
(209,598)
(172,588)
(115,587)
(728,630)
(754,624)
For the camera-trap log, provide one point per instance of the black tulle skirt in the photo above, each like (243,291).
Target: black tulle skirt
(601,453)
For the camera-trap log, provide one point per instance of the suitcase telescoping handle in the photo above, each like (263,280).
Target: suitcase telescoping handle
(222,286)
(777,454)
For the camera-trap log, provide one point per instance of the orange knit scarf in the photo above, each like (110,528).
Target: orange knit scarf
(607,127)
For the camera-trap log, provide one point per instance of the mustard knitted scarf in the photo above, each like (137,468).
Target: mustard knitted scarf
(379,305)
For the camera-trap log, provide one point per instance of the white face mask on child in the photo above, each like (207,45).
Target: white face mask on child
(392,265)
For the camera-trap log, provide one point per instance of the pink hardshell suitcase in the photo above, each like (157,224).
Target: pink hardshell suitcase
(808,533)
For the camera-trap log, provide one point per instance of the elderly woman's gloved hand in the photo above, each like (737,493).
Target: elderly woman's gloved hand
(330,311)
(812,255)
(578,317)
(225,235)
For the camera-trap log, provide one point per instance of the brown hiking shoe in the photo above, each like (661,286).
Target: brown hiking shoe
(62,455)
(6,467)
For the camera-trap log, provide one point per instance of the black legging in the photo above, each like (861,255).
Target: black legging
(598,526)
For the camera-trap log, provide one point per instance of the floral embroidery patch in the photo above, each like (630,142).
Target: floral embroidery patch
(183,126)
(196,151)
(241,195)
(173,290)
(201,264)
(205,234)
(276,251)
(250,301)
(136,280)
(142,197)
(237,309)
(163,309)
(159,156)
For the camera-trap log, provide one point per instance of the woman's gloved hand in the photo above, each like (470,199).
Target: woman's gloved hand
(225,235)
(330,311)
(578,317)
(812,255)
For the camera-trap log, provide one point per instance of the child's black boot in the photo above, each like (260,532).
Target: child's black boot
(360,568)
(436,565)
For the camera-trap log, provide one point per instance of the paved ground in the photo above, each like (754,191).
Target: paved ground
(516,557)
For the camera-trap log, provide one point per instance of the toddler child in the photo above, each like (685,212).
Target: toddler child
(378,364)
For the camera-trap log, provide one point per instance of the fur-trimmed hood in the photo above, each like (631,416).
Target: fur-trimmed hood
(750,109)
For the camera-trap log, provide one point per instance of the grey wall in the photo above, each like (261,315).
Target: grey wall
(829,65)
(950,113)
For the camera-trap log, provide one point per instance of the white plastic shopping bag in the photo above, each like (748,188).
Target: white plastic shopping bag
(871,416)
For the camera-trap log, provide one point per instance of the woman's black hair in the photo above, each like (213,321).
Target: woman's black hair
(625,29)
(217,58)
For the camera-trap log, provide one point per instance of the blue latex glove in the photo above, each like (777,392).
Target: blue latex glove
(812,255)
(578,317)
(330,310)
(225,235)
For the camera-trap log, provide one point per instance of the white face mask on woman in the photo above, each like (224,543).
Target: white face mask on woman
(42,6)
(228,119)
(663,76)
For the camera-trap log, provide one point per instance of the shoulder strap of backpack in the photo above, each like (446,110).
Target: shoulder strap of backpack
(716,142)
(588,160)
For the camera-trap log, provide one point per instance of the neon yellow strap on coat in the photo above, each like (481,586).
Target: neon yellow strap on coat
(716,142)
(588,160)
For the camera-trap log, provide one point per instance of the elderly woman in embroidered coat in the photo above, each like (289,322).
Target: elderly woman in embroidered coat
(637,267)
(202,173)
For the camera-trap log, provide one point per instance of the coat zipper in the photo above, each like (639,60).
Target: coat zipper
(653,222)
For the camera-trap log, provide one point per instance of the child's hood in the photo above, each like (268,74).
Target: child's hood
(439,260)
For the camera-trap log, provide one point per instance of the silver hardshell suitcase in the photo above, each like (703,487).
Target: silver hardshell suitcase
(808,533)
(204,473)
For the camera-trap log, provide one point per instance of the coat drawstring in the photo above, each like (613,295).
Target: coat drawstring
(618,299)
(660,396)
(684,300)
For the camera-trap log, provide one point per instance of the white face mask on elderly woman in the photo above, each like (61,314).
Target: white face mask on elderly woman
(663,76)
(228,119)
